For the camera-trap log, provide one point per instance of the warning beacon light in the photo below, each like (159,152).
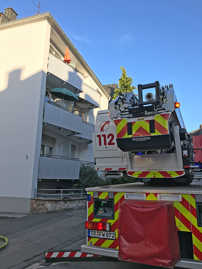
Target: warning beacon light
(177,105)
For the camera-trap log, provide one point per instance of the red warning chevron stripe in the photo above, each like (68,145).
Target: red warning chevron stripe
(189,225)
(189,207)
(160,128)
(186,213)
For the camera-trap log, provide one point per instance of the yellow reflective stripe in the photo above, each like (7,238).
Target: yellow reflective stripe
(197,242)
(117,197)
(163,122)
(172,173)
(196,258)
(138,124)
(190,199)
(136,174)
(90,210)
(156,133)
(148,176)
(116,215)
(181,226)
(187,214)
(120,126)
(155,174)
(151,197)
(106,243)
(103,195)
(93,241)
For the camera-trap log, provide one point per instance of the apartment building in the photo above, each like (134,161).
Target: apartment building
(49,98)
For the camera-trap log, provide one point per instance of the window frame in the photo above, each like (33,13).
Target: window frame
(100,216)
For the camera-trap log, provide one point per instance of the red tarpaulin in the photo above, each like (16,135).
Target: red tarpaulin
(197,143)
(148,233)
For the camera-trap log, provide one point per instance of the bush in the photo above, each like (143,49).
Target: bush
(119,180)
(89,178)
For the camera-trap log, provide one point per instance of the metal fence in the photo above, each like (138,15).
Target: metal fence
(61,194)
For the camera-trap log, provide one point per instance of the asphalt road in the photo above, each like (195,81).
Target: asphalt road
(30,236)
(98,265)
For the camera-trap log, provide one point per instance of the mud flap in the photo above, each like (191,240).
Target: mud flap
(148,233)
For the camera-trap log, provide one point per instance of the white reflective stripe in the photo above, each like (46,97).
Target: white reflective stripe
(89,255)
(140,119)
(54,254)
(78,254)
(170,197)
(135,196)
(66,254)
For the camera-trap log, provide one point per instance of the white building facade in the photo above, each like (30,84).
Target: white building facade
(44,135)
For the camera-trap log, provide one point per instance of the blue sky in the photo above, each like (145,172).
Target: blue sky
(153,39)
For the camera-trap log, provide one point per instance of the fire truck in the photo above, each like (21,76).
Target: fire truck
(144,136)
(157,220)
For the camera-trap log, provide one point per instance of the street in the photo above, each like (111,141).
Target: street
(31,235)
(99,265)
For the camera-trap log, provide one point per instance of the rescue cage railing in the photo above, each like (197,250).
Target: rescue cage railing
(61,194)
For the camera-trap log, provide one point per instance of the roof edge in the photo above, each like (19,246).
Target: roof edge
(47,16)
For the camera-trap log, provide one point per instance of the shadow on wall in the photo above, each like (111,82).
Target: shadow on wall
(21,110)
(74,79)
(91,100)
(21,106)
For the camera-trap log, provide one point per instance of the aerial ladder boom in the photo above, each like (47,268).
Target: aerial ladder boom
(150,138)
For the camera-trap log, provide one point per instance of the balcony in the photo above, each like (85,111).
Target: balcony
(57,168)
(63,75)
(59,117)
(65,72)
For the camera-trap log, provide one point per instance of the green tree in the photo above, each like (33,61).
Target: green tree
(125,84)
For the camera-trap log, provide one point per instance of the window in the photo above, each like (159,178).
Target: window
(55,51)
(84,116)
(42,149)
(73,151)
(104,208)
(46,150)
(149,95)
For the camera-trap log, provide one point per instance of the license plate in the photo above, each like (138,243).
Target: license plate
(102,234)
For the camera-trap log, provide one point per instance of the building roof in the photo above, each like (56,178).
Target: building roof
(197,132)
(47,16)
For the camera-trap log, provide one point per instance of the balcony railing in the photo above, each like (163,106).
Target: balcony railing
(64,72)
(53,167)
(61,194)
(67,74)
(60,117)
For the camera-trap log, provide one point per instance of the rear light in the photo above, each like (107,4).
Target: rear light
(100,226)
